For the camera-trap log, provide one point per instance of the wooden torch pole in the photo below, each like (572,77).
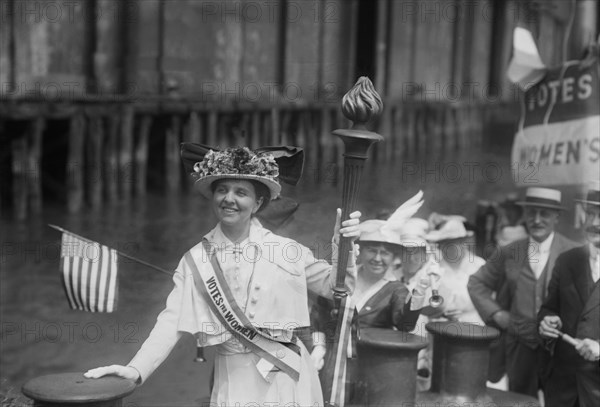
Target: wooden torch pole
(359,105)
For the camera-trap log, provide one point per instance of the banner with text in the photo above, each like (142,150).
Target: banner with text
(559,133)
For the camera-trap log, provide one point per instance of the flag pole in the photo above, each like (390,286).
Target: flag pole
(118,252)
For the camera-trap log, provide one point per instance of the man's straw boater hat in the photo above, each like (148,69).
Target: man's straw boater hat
(267,165)
(593,194)
(542,198)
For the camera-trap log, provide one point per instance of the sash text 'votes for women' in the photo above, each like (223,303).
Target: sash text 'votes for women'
(215,293)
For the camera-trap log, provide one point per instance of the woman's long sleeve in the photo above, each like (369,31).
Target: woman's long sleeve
(320,275)
(163,337)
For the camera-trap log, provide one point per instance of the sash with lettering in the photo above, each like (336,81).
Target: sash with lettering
(275,354)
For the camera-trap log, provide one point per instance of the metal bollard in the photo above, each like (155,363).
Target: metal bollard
(387,361)
(73,389)
(460,368)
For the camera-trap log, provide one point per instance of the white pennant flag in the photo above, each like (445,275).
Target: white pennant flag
(526,67)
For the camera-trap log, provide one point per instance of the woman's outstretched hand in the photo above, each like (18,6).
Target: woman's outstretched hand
(126,372)
(349,227)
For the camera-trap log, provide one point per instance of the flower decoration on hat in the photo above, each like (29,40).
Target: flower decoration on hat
(238,163)
(237,160)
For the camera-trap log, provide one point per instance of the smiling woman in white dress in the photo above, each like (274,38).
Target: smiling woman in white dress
(243,289)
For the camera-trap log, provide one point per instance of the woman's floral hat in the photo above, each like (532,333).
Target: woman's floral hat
(237,163)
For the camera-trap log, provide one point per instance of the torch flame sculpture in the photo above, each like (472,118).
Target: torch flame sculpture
(360,105)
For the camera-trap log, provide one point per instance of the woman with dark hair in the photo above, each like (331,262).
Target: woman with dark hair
(243,289)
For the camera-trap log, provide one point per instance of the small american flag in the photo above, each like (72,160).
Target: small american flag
(89,274)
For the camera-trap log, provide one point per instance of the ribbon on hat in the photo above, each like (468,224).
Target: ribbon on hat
(290,160)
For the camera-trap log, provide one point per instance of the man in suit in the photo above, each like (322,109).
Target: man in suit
(510,288)
(573,308)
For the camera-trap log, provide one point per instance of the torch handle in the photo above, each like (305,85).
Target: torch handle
(353,167)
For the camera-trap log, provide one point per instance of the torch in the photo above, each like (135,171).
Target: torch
(360,105)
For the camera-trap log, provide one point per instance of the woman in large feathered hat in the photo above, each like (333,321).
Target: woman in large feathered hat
(243,289)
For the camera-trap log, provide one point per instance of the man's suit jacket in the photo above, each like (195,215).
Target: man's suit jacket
(574,297)
(500,276)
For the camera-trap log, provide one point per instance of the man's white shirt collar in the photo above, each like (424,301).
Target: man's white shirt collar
(543,247)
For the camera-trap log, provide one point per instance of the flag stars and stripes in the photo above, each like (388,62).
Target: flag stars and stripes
(89,274)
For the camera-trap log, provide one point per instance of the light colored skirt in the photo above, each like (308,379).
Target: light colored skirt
(239,383)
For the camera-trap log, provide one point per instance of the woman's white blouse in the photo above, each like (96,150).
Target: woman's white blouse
(270,279)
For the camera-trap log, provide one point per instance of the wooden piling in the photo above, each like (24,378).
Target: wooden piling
(110,159)
(193,128)
(126,153)
(213,122)
(94,173)
(255,130)
(421,130)
(340,122)
(141,155)
(286,118)
(385,129)
(325,139)
(275,134)
(75,163)
(398,130)
(301,136)
(172,158)
(305,140)
(34,159)
(243,130)
(19,168)
(411,131)
(436,131)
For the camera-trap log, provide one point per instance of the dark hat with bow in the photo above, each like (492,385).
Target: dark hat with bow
(267,165)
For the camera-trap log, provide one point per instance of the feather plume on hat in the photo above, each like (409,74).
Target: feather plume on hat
(404,212)
(389,231)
